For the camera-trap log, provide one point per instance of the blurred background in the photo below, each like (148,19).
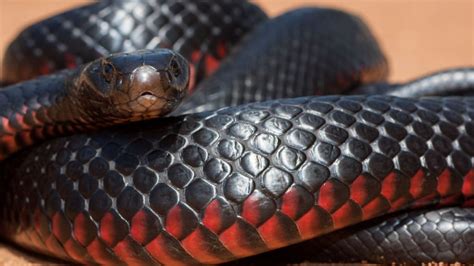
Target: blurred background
(418,36)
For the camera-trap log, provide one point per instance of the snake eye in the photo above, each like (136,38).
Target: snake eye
(174,68)
(108,71)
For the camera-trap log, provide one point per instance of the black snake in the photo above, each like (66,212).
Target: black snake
(227,183)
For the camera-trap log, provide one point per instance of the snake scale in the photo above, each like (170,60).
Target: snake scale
(251,161)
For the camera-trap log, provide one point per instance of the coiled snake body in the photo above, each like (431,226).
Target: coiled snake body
(228,183)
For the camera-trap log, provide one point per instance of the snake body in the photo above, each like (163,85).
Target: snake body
(456,81)
(224,184)
(284,58)
(195,29)
(424,235)
(215,186)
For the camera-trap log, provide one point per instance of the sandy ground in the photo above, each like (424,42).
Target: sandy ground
(418,37)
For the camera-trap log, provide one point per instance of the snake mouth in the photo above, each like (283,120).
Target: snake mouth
(147,97)
(148,103)
(150,100)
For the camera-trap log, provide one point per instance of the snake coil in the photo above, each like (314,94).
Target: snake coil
(251,161)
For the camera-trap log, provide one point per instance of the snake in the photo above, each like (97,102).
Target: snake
(116,89)
(256,158)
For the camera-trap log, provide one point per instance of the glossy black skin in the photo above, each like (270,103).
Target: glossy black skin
(96,185)
(430,235)
(456,81)
(237,69)
(194,29)
(285,58)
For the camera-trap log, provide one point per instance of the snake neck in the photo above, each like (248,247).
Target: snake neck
(39,109)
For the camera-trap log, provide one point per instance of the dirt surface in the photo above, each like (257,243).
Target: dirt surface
(418,37)
(12,256)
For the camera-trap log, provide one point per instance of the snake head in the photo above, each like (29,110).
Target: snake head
(134,86)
